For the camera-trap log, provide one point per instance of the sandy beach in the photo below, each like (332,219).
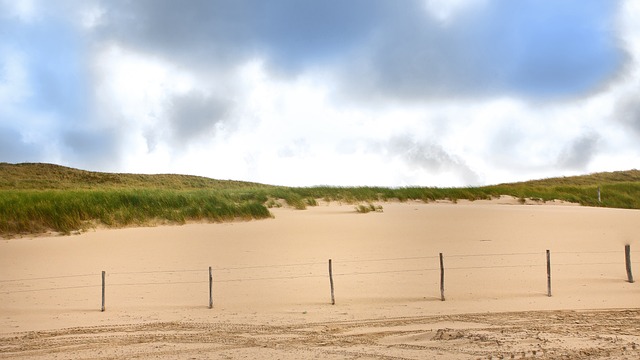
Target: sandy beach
(271,291)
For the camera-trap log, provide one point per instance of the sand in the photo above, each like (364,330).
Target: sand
(271,288)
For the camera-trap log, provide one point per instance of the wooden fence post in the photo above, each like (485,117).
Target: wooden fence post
(333,299)
(441,278)
(210,288)
(548,273)
(627,260)
(103,276)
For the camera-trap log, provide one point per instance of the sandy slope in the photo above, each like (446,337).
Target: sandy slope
(271,288)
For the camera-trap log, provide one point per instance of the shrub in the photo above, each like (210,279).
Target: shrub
(363,209)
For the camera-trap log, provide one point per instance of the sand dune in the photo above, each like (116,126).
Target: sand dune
(271,287)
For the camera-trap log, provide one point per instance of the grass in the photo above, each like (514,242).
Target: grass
(36,198)
(363,209)
(34,211)
(49,176)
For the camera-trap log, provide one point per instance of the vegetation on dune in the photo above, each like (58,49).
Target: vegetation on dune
(620,189)
(49,176)
(36,198)
(363,209)
(34,211)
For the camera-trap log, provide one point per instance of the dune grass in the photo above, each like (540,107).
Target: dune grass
(36,198)
(35,211)
(620,195)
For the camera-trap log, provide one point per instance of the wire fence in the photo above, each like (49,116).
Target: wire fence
(309,270)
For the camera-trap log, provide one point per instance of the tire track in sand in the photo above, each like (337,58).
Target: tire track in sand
(609,334)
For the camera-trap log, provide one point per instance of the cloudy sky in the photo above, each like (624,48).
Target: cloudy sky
(296,92)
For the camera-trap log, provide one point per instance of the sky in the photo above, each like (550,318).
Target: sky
(332,92)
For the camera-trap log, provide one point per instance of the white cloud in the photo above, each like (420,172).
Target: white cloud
(292,132)
(445,10)
(92,15)
(629,14)
(25,10)
(14,87)
(139,84)
(133,90)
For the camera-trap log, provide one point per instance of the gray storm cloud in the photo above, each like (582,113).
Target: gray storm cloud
(578,153)
(528,48)
(627,113)
(14,149)
(195,115)
(87,147)
(289,34)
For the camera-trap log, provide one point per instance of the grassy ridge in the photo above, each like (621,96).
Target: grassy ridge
(36,198)
(624,195)
(49,176)
(34,211)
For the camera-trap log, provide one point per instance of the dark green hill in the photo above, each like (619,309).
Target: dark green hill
(39,176)
(629,176)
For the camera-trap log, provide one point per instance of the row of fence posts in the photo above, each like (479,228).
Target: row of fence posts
(627,257)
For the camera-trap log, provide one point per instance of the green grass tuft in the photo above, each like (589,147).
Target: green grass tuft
(363,209)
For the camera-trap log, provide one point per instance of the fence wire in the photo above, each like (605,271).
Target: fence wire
(21,281)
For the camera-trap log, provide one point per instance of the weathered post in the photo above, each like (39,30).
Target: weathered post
(627,260)
(103,276)
(210,288)
(441,278)
(548,273)
(599,199)
(333,299)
